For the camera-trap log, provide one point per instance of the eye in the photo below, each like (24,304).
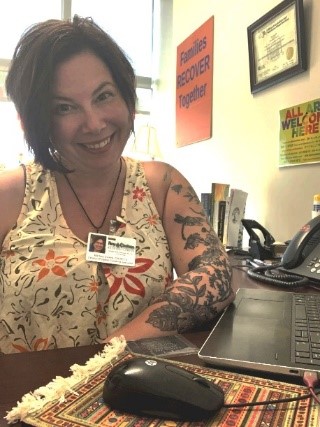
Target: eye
(104,96)
(61,109)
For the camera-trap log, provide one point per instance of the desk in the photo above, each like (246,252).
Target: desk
(24,372)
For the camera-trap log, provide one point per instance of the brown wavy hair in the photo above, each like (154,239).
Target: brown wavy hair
(40,49)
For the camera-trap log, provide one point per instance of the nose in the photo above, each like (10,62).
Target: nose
(92,121)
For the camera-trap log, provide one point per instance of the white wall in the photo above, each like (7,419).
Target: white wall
(244,146)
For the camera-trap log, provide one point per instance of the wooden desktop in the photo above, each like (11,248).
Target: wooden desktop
(23,372)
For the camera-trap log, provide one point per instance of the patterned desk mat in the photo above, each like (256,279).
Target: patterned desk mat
(86,408)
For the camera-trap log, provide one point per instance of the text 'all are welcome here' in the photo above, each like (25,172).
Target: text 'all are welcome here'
(197,63)
(302,121)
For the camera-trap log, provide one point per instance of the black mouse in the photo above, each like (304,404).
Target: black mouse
(150,387)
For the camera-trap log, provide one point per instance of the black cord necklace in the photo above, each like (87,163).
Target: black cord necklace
(97,227)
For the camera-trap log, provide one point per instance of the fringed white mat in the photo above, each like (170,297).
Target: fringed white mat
(57,389)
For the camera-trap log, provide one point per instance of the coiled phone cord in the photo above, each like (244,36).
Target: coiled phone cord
(267,274)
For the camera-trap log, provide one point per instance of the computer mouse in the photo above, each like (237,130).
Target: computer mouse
(158,388)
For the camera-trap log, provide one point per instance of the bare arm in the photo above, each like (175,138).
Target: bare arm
(12,185)
(203,286)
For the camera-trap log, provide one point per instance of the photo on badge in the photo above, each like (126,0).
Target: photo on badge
(96,247)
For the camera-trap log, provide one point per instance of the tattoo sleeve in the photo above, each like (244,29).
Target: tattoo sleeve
(197,296)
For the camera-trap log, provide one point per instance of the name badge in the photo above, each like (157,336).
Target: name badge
(111,249)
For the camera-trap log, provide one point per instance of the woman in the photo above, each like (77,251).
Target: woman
(74,91)
(97,243)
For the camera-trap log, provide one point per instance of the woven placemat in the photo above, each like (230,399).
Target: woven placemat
(86,408)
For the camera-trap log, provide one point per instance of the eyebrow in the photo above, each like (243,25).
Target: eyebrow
(94,93)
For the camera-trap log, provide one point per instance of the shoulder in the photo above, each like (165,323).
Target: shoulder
(161,177)
(159,172)
(164,175)
(11,181)
(12,186)
(158,175)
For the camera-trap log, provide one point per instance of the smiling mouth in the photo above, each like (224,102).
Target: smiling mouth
(97,145)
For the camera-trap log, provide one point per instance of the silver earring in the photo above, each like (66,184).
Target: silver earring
(53,151)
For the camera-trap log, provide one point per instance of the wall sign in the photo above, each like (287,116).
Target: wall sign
(194,86)
(300,134)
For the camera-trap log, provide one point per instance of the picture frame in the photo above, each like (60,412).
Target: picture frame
(277,45)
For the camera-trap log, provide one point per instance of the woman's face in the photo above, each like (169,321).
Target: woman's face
(98,245)
(90,120)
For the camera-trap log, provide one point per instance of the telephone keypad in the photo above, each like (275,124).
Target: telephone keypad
(314,265)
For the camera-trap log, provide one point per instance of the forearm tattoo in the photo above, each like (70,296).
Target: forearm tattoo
(192,301)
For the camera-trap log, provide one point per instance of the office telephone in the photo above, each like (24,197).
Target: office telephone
(300,263)
(257,249)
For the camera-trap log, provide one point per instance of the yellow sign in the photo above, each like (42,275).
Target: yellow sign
(300,134)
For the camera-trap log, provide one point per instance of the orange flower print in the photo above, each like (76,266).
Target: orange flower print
(129,281)
(94,286)
(50,264)
(152,219)
(101,315)
(39,344)
(139,193)
(10,253)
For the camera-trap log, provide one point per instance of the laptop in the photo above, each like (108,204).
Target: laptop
(264,330)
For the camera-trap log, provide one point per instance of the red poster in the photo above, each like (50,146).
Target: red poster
(194,86)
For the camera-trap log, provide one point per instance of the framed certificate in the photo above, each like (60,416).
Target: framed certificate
(277,47)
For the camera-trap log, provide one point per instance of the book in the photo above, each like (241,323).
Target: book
(219,193)
(235,211)
(221,218)
(205,199)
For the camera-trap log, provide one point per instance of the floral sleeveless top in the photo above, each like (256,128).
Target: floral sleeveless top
(50,296)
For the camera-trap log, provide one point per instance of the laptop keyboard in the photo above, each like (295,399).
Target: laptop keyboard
(306,329)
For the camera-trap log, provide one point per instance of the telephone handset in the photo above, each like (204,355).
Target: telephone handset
(257,249)
(305,243)
(300,264)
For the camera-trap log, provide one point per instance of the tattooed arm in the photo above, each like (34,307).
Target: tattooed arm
(203,286)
